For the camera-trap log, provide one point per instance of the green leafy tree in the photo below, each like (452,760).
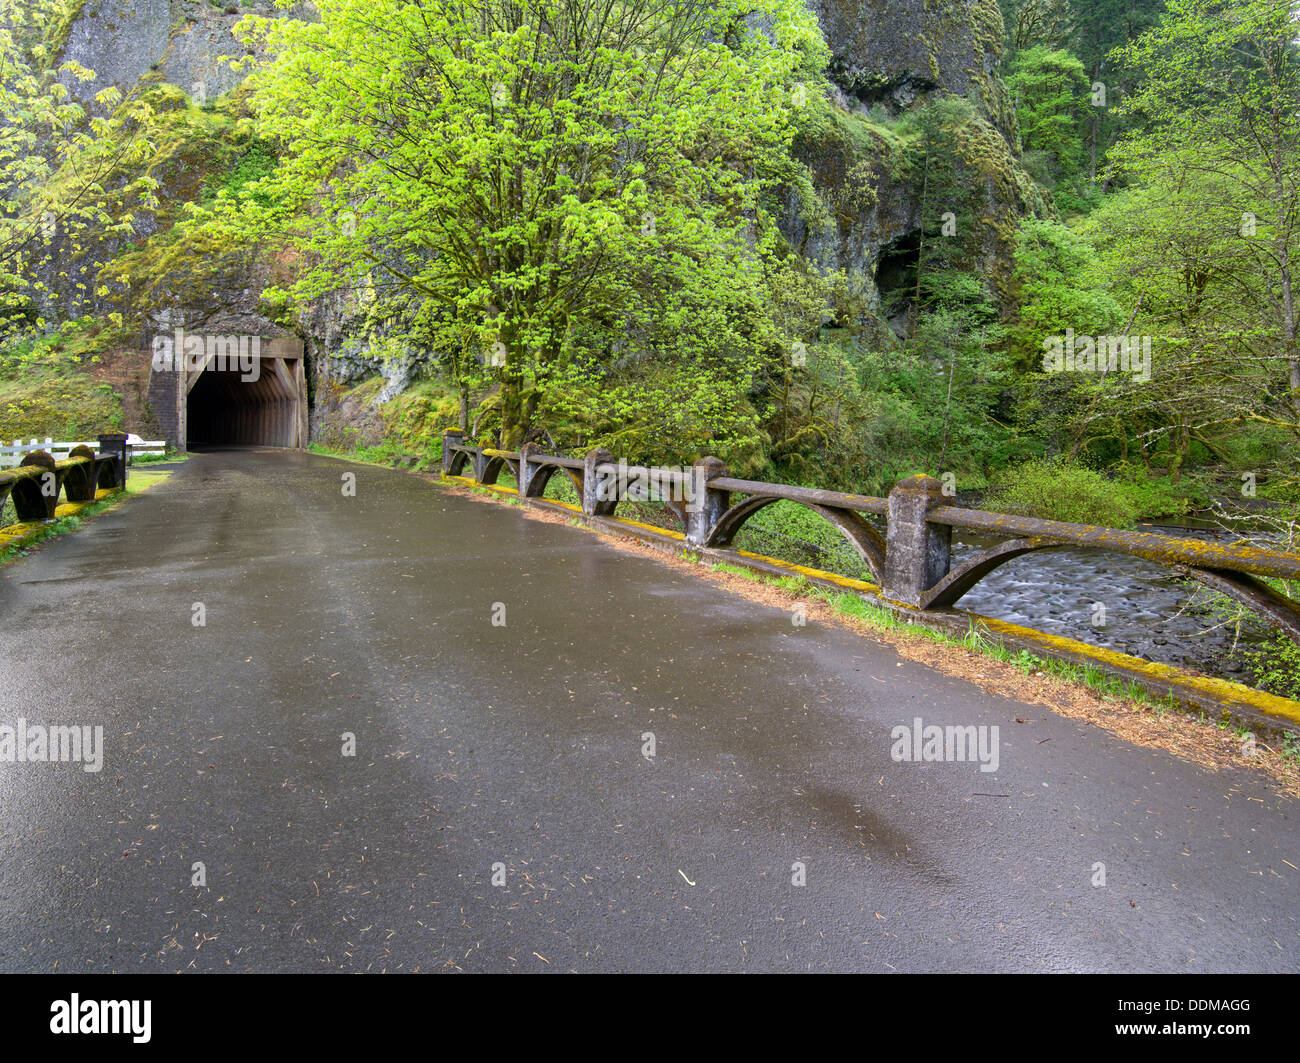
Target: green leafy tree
(947,201)
(1208,239)
(74,179)
(1052,102)
(1031,23)
(1100,27)
(573,179)
(1056,284)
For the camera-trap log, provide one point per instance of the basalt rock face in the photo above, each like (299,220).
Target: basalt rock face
(347,346)
(185,43)
(119,40)
(890,57)
(168,53)
(896,51)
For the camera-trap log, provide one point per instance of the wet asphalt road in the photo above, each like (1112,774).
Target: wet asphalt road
(521,745)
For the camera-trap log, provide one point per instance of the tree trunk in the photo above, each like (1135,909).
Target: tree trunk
(1295,387)
(511,379)
(1092,148)
(512,411)
(1178,452)
(1288,300)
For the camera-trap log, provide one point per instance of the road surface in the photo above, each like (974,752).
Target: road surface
(519,746)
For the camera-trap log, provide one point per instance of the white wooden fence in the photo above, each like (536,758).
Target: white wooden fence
(14,454)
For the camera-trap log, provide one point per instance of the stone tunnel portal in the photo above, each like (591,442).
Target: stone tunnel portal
(224,409)
(207,400)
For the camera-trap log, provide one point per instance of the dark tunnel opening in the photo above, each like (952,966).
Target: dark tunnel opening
(225,410)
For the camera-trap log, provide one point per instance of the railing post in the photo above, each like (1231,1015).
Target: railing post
(38,498)
(114,443)
(525,476)
(593,504)
(917,553)
(705,505)
(79,483)
(451,437)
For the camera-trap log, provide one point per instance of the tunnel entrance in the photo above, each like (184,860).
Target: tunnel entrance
(224,409)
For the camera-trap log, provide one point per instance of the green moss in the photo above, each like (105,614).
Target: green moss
(417,416)
(56,33)
(47,389)
(193,154)
(988,29)
(1009,194)
(64,405)
(830,139)
(365,392)
(408,426)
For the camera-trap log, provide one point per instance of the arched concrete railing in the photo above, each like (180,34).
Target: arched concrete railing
(35,485)
(843,511)
(911,559)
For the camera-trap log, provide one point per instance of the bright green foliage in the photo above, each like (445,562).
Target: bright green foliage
(669,412)
(820,421)
(68,405)
(1060,286)
(1057,490)
(1051,93)
(1275,666)
(566,181)
(255,161)
(1057,285)
(791,532)
(74,180)
(937,402)
(1100,27)
(1200,246)
(562,215)
(1219,159)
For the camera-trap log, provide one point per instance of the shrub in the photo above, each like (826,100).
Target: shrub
(1158,496)
(1275,666)
(1056,490)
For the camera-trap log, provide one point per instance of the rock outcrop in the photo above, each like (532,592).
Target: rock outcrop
(186,43)
(898,51)
(889,58)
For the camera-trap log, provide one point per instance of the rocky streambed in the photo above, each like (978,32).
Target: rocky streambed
(1122,603)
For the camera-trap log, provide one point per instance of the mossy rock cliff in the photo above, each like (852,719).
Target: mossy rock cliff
(889,59)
